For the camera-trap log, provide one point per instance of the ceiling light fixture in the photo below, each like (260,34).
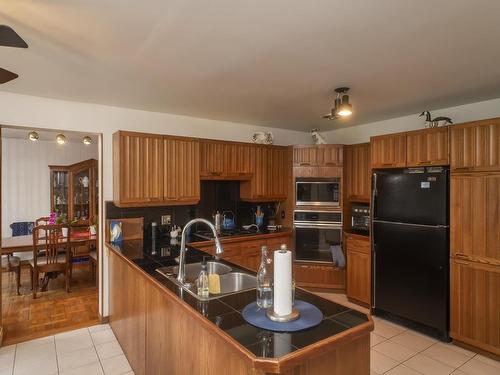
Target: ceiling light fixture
(87,140)
(33,136)
(341,106)
(61,138)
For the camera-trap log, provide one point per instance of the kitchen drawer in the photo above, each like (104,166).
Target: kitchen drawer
(357,243)
(319,276)
(231,250)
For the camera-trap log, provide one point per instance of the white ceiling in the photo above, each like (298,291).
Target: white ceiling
(272,63)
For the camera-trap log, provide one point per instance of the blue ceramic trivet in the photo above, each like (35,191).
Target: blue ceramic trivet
(310,316)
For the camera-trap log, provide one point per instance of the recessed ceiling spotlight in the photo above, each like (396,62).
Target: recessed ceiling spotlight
(87,140)
(33,136)
(61,138)
(341,106)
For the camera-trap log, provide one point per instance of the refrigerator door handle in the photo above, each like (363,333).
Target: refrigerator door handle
(374,260)
(374,257)
(410,224)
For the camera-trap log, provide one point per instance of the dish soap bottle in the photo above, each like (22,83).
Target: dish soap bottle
(264,282)
(202,282)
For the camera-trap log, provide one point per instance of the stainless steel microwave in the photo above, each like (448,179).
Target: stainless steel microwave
(323,192)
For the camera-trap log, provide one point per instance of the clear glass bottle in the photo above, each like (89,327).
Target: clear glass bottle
(264,282)
(202,281)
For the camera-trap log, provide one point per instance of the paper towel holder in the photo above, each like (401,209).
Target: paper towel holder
(294,315)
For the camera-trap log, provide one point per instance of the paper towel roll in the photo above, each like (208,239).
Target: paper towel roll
(282,283)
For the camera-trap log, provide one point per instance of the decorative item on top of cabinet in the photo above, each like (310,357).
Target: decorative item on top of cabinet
(388,151)
(475,146)
(357,172)
(475,304)
(155,170)
(358,268)
(427,147)
(475,217)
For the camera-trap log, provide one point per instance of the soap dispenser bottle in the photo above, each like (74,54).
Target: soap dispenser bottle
(202,282)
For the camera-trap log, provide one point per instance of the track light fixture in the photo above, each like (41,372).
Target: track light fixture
(341,105)
(61,139)
(33,136)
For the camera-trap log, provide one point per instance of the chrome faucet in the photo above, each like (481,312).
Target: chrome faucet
(182,257)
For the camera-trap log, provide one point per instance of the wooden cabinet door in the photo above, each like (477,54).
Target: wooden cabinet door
(475,146)
(427,147)
(319,276)
(251,254)
(138,168)
(212,159)
(388,151)
(305,156)
(358,172)
(358,268)
(127,310)
(475,304)
(269,175)
(331,155)
(237,160)
(275,243)
(182,171)
(475,216)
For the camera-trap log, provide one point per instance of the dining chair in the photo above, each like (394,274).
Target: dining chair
(13,263)
(93,258)
(51,253)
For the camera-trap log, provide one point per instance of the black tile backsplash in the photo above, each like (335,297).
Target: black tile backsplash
(214,196)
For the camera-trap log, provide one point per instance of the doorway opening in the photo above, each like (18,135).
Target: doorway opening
(50,179)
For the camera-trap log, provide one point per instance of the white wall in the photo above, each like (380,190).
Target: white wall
(26,176)
(37,112)
(463,113)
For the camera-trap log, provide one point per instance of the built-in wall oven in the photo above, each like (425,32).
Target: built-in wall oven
(315,234)
(317,192)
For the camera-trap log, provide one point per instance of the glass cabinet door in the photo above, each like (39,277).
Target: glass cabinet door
(60,192)
(81,195)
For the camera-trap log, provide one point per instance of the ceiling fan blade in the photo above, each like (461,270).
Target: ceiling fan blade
(9,38)
(6,76)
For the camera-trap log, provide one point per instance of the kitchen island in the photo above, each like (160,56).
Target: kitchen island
(165,330)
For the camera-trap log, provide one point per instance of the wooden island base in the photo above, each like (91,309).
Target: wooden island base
(161,334)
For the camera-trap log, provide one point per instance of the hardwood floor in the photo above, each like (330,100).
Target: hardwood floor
(53,311)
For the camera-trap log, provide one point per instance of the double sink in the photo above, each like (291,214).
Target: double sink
(232,280)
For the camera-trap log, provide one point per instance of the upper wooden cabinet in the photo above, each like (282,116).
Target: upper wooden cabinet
(475,146)
(357,171)
(225,160)
(155,170)
(181,176)
(427,147)
(317,155)
(388,151)
(269,175)
(475,217)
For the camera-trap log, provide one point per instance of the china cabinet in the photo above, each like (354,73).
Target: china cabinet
(73,191)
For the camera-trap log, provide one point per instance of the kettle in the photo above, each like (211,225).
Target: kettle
(228,220)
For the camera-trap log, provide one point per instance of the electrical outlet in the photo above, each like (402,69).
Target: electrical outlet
(166,219)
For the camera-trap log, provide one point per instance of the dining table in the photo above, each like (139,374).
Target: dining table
(20,244)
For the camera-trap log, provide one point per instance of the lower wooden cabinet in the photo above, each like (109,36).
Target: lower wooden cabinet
(475,304)
(358,267)
(247,252)
(319,276)
(127,309)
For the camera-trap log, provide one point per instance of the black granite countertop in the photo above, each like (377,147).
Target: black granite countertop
(225,312)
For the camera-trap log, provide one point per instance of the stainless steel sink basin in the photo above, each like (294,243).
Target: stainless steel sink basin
(237,282)
(232,280)
(193,269)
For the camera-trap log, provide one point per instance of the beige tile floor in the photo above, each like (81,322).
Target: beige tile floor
(395,350)
(87,351)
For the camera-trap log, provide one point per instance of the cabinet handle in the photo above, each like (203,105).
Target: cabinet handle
(425,162)
(386,163)
(331,164)
(215,173)
(304,164)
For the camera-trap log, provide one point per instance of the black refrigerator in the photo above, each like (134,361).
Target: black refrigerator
(410,229)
